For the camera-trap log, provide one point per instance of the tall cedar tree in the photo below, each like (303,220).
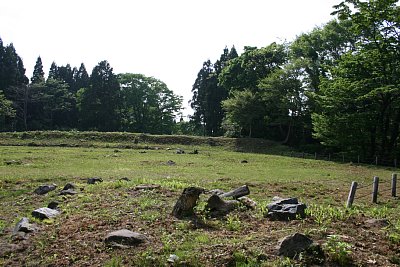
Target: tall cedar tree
(208,95)
(38,73)
(99,102)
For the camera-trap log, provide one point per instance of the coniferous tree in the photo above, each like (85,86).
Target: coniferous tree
(100,101)
(81,79)
(38,73)
(53,72)
(208,95)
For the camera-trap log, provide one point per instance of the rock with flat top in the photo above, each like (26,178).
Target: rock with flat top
(45,213)
(125,237)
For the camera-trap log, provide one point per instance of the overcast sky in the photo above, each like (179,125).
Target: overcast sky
(166,39)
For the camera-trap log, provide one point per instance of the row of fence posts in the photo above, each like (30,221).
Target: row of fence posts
(376,160)
(375,187)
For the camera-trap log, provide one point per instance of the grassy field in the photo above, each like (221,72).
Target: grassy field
(242,238)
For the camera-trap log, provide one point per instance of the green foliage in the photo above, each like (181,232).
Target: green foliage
(208,95)
(147,105)
(358,104)
(243,108)
(100,101)
(38,73)
(233,222)
(337,250)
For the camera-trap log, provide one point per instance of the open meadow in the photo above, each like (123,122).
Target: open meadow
(244,237)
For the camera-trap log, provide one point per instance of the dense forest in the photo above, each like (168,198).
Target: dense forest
(338,85)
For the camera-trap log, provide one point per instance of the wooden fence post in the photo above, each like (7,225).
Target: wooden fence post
(376,160)
(352,193)
(375,190)
(315,156)
(329,157)
(394,184)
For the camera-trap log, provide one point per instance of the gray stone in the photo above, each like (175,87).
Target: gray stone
(69,186)
(94,180)
(180,151)
(24,226)
(291,246)
(45,213)
(53,205)
(171,163)
(125,237)
(68,192)
(283,209)
(44,189)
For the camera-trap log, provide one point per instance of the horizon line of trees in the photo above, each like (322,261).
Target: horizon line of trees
(70,98)
(337,86)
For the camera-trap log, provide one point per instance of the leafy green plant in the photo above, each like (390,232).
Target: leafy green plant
(338,251)
(233,222)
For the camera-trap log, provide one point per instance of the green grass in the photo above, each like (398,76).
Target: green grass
(243,238)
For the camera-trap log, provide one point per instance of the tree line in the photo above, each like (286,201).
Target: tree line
(70,98)
(338,85)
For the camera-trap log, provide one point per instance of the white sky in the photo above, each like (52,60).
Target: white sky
(166,39)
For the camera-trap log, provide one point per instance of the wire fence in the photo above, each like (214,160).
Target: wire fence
(345,158)
(379,188)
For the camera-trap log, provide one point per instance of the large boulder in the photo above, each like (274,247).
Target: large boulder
(284,209)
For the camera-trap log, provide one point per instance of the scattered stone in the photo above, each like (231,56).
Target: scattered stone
(44,189)
(284,209)
(126,179)
(116,151)
(147,187)
(68,192)
(24,226)
(94,180)
(142,152)
(379,223)
(292,245)
(45,213)
(13,162)
(53,205)
(173,258)
(219,207)
(171,163)
(244,161)
(194,152)
(69,186)
(180,151)
(248,202)
(124,237)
